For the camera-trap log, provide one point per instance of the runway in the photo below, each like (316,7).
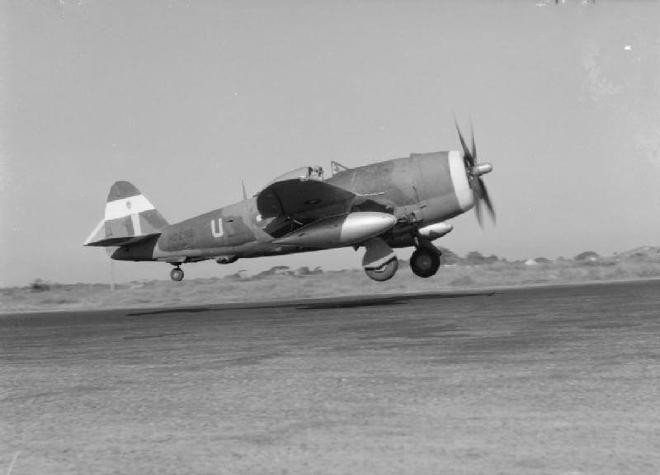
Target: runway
(539,380)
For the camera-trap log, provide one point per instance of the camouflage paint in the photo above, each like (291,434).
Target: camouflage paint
(418,190)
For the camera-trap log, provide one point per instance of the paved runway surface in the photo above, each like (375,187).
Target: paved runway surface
(546,380)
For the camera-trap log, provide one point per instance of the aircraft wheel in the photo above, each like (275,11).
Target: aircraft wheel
(384,272)
(176,274)
(424,262)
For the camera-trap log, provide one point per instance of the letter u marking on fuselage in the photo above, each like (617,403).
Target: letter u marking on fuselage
(217,233)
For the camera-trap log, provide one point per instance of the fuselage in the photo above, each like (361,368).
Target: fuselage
(418,190)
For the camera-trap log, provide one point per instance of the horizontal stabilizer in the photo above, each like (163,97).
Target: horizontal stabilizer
(100,241)
(129,217)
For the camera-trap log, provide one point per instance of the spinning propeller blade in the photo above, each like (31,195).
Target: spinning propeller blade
(474,171)
(467,156)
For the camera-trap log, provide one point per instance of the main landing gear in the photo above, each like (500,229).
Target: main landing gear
(384,272)
(379,261)
(425,261)
(176,274)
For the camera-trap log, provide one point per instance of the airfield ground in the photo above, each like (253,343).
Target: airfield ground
(283,285)
(544,380)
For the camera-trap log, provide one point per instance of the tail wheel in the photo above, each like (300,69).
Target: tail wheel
(424,262)
(176,274)
(384,272)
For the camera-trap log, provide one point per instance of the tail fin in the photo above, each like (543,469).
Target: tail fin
(129,217)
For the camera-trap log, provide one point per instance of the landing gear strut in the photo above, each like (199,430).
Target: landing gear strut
(176,274)
(425,261)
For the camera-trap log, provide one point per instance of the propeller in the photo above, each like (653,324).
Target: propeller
(474,171)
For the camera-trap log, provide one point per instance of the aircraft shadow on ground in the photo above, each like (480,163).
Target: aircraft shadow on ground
(363,302)
(386,300)
(330,303)
(166,311)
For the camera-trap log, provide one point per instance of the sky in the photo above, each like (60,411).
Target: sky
(185,99)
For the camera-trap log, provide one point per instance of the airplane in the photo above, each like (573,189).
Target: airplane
(386,205)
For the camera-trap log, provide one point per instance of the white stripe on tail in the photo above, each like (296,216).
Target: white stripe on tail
(126,207)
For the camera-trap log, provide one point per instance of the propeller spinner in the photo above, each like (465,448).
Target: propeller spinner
(474,172)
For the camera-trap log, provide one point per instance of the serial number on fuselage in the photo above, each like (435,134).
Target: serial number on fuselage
(183,235)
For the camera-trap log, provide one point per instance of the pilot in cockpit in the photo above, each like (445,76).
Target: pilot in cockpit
(315,173)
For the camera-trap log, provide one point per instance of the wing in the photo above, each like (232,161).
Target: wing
(303,200)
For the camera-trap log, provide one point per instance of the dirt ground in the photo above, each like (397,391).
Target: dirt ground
(547,380)
(44,296)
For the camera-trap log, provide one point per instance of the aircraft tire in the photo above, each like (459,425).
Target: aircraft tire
(424,262)
(384,272)
(176,274)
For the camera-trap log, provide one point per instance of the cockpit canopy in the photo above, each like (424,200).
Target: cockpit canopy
(302,173)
